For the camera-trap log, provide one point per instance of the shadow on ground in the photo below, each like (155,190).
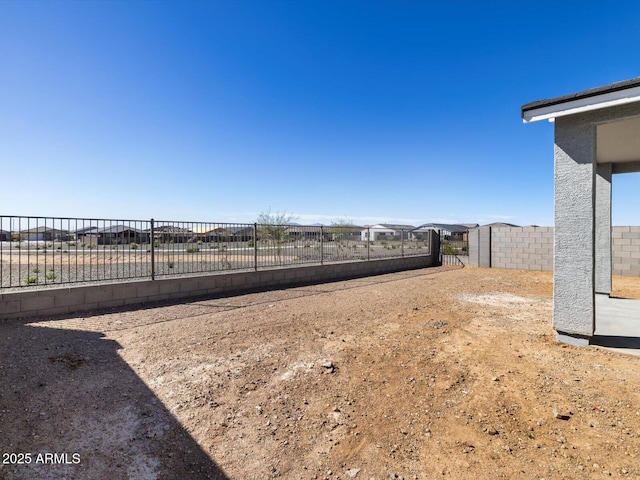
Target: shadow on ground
(611,341)
(69,393)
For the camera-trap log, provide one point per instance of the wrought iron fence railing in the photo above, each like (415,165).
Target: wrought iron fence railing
(42,251)
(453,252)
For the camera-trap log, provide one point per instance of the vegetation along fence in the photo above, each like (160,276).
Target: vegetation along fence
(454,251)
(41,251)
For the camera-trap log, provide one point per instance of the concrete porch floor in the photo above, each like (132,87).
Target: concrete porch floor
(617,324)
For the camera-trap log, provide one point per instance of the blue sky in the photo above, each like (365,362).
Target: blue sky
(378,111)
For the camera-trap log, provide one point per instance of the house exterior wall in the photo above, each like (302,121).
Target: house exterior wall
(377,233)
(573,275)
(603,228)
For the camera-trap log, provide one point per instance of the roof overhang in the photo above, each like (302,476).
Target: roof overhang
(619,93)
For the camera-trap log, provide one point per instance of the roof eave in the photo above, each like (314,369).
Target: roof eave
(620,93)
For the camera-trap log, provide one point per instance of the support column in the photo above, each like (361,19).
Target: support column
(485,246)
(603,229)
(480,247)
(573,277)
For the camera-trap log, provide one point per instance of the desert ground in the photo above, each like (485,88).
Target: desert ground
(435,373)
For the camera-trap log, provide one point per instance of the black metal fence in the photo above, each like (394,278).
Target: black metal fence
(454,251)
(41,251)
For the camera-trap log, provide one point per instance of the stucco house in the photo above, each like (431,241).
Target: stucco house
(121,235)
(85,233)
(452,232)
(172,234)
(386,231)
(47,234)
(597,136)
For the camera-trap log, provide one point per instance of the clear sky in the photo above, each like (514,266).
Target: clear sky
(378,111)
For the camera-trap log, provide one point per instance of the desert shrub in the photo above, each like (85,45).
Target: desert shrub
(448,250)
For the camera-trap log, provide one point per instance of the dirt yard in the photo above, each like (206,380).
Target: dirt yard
(435,373)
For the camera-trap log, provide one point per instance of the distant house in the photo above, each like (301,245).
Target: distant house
(242,234)
(343,232)
(451,232)
(121,235)
(172,234)
(305,232)
(386,231)
(229,233)
(5,236)
(500,224)
(46,234)
(86,233)
(219,234)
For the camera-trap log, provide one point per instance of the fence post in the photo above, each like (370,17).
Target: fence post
(153,253)
(255,246)
(402,243)
(368,243)
(321,245)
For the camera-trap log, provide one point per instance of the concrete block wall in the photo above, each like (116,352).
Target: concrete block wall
(531,248)
(474,247)
(56,301)
(484,252)
(479,247)
(522,248)
(626,251)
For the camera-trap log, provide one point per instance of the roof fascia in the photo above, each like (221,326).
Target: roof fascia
(571,107)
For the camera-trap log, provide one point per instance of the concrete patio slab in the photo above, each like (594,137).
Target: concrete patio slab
(617,324)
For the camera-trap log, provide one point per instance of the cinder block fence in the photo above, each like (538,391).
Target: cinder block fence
(626,251)
(52,301)
(531,248)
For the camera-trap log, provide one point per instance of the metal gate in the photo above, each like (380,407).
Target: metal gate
(454,249)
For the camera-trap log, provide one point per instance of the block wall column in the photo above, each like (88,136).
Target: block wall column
(573,277)
(484,259)
(603,229)
(474,246)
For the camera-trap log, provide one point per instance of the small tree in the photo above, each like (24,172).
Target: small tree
(272,229)
(339,230)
